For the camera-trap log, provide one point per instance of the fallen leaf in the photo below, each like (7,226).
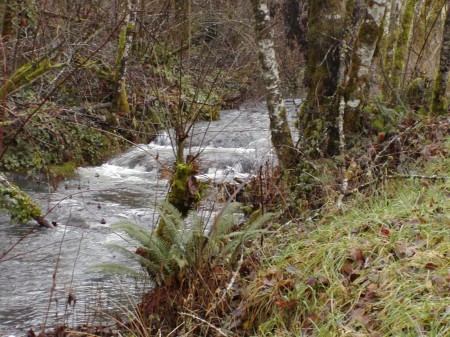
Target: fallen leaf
(311,281)
(431,266)
(310,319)
(404,251)
(385,231)
(357,255)
(353,277)
(347,269)
(286,284)
(358,316)
(323,280)
(268,282)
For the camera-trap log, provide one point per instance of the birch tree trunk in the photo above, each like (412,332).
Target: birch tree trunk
(439,104)
(279,128)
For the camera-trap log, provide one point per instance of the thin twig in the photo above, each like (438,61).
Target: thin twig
(234,277)
(203,321)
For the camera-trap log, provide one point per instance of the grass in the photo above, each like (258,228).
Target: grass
(381,268)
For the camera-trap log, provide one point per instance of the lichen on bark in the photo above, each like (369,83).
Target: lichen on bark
(280,133)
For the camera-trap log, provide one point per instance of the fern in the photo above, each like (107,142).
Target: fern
(248,232)
(133,231)
(184,246)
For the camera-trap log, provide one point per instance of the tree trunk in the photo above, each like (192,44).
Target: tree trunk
(279,128)
(439,104)
(120,104)
(356,86)
(403,40)
(318,116)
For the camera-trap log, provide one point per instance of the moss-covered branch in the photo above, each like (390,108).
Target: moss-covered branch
(27,74)
(19,204)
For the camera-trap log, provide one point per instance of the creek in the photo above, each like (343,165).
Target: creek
(46,266)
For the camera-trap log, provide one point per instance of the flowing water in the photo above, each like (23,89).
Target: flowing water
(44,266)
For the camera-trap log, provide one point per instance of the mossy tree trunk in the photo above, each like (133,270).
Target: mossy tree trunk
(279,128)
(184,193)
(319,113)
(120,105)
(403,39)
(439,104)
(393,11)
(295,23)
(355,88)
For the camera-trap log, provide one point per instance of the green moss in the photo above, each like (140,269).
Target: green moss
(21,207)
(120,50)
(62,145)
(439,104)
(58,173)
(402,43)
(27,74)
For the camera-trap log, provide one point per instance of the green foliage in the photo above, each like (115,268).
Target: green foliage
(20,206)
(64,170)
(185,246)
(56,144)
(382,118)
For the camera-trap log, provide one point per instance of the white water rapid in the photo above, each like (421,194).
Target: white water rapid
(85,207)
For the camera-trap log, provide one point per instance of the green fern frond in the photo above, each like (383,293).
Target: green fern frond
(248,232)
(227,220)
(172,221)
(148,264)
(157,254)
(184,245)
(134,231)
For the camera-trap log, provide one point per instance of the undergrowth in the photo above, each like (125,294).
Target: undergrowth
(381,268)
(376,265)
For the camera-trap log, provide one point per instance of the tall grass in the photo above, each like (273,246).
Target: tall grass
(382,268)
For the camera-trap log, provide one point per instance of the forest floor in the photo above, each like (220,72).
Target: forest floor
(378,265)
